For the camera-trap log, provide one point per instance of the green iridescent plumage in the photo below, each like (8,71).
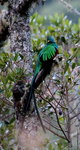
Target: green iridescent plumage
(43,68)
(46,53)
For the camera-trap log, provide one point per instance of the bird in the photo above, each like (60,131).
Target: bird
(43,68)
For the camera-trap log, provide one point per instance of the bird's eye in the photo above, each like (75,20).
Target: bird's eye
(48,41)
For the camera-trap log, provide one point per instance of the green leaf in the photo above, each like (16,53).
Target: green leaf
(10,77)
(50,147)
(16,56)
(12,120)
(73,65)
(66,54)
(66,67)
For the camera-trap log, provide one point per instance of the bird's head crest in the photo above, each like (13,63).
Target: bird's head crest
(50,39)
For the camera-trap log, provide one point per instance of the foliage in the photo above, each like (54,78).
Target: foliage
(61,28)
(62,6)
(59,145)
(67,36)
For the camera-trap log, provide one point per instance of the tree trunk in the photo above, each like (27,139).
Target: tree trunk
(20,37)
(30,135)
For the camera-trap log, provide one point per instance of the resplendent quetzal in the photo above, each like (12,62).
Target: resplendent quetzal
(43,68)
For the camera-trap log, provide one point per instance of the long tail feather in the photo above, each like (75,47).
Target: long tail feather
(27,101)
(38,111)
(28,97)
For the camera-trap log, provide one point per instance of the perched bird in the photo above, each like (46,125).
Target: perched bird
(43,68)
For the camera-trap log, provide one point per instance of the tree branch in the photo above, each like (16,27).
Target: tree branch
(3,98)
(58,121)
(52,125)
(69,6)
(76,115)
(54,132)
(55,99)
(3,118)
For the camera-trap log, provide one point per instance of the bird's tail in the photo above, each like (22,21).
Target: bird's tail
(28,97)
(33,96)
(27,101)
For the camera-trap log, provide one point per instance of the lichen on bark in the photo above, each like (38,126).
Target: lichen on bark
(20,36)
(20,42)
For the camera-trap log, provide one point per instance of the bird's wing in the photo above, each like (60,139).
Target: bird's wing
(47,52)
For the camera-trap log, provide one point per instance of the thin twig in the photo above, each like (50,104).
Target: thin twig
(75,116)
(55,98)
(50,105)
(69,6)
(6,117)
(52,125)
(60,125)
(54,132)
(58,121)
(4,99)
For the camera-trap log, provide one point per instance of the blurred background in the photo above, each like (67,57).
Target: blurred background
(51,20)
(51,6)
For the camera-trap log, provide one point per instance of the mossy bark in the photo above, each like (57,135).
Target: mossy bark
(30,135)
